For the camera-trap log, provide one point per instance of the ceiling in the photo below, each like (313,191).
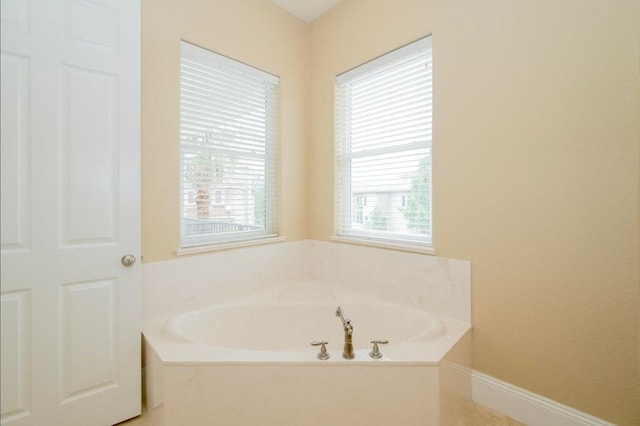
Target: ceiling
(306,10)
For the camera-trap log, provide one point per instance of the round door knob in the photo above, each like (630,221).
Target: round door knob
(128,259)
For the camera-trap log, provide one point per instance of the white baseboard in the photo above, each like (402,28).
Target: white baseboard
(526,407)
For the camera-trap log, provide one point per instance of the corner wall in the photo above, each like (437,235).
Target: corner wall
(256,32)
(536,132)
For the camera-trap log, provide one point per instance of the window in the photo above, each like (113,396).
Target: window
(217,197)
(228,140)
(383,149)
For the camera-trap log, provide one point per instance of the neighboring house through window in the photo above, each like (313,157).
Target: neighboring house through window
(383,149)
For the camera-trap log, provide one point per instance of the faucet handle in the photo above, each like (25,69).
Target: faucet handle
(375,352)
(323,354)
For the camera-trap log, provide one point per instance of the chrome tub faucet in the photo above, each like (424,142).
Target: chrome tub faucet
(347,353)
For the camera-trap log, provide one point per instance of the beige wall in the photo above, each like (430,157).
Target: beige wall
(536,170)
(536,130)
(255,32)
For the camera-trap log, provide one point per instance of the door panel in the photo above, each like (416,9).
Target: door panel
(89,320)
(16,386)
(89,144)
(15,152)
(70,211)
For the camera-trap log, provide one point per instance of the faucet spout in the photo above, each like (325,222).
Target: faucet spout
(347,353)
(345,322)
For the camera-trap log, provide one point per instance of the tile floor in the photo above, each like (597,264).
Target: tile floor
(476,415)
(482,416)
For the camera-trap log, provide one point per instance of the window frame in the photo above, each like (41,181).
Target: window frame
(344,201)
(222,240)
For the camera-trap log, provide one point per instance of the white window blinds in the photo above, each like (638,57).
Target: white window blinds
(383,148)
(228,116)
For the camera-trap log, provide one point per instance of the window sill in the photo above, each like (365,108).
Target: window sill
(384,245)
(230,245)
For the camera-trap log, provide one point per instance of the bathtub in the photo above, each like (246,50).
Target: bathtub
(279,324)
(249,361)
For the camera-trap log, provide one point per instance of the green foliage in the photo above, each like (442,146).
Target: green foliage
(260,205)
(378,220)
(418,209)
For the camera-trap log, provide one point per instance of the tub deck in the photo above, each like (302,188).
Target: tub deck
(411,347)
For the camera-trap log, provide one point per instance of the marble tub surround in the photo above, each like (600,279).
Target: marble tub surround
(174,286)
(310,394)
(437,284)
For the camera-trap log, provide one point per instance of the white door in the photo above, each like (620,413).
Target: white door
(70,211)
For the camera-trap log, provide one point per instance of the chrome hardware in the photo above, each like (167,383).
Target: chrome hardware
(375,352)
(128,259)
(323,354)
(347,353)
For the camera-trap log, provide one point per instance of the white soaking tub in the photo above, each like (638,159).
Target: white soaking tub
(249,361)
